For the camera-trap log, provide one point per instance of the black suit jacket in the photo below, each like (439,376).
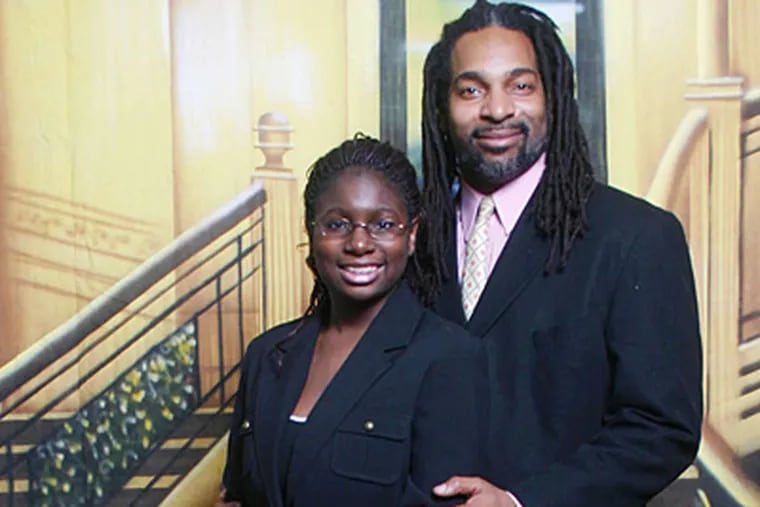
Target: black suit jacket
(419,380)
(596,371)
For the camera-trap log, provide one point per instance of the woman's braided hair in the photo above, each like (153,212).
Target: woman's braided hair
(371,155)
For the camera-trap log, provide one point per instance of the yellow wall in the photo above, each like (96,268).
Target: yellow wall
(128,121)
(744,20)
(124,122)
(665,60)
(88,130)
(302,67)
(650,51)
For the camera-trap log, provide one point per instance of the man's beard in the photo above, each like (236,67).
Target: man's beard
(488,175)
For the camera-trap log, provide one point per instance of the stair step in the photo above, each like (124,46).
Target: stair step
(209,425)
(681,493)
(19,486)
(126,496)
(171,443)
(136,482)
(160,458)
(751,465)
(38,431)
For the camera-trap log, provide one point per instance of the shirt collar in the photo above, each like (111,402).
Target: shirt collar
(509,200)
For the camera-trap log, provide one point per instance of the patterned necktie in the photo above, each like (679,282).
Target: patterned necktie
(475,260)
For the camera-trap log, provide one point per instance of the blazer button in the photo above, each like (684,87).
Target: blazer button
(245,425)
(369,425)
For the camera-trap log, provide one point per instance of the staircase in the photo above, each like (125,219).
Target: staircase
(147,485)
(119,404)
(178,454)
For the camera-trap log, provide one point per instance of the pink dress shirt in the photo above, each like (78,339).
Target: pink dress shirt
(510,201)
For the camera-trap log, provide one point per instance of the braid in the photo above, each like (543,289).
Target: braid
(438,164)
(371,155)
(559,205)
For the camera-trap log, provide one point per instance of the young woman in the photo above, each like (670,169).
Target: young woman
(370,398)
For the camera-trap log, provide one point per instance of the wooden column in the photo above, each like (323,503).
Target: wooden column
(284,239)
(712,39)
(722,97)
(698,234)
(719,202)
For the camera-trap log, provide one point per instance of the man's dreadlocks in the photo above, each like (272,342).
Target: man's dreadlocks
(559,203)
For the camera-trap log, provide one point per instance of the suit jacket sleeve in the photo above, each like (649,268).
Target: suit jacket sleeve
(233,479)
(233,467)
(450,423)
(651,427)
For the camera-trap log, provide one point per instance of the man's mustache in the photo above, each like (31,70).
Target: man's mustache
(523,127)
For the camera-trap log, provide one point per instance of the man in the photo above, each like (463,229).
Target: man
(583,295)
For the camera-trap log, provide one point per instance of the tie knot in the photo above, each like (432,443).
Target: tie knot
(486,207)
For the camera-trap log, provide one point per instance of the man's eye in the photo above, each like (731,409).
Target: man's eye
(469,91)
(523,87)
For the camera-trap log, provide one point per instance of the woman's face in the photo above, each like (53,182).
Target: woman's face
(355,266)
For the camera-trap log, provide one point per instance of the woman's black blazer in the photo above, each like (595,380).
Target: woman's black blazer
(407,409)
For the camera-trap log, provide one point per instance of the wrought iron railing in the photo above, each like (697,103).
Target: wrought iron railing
(164,342)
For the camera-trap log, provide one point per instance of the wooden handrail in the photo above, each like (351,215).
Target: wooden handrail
(673,162)
(716,456)
(64,338)
(751,104)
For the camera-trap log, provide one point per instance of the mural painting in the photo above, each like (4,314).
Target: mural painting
(152,155)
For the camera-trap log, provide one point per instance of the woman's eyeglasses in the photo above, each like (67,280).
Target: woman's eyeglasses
(382,229)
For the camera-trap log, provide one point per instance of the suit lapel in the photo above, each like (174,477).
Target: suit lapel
(283,375)
(449,304)
(522,258)
(519,262)
(387,335)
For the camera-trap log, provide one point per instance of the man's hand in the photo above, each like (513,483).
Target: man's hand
(222,503)
(480,493)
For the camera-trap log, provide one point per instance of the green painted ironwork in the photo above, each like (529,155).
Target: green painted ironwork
(92,453)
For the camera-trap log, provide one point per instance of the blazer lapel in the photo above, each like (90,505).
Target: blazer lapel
(449,304)
(387,335)
(522,259)
(519,262)
(283,376)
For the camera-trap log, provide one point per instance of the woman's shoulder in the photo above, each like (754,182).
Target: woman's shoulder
(274,335)
(444,335)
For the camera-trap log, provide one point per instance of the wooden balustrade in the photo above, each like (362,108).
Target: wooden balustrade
(286,274)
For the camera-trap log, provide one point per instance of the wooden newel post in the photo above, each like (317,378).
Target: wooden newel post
(720,92)
(274,140)
(283,229)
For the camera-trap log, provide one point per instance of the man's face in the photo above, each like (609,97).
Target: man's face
(497,110)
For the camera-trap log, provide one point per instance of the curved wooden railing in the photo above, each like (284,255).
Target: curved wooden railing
(751,104)
(717,458)
(696,158)
(673,163)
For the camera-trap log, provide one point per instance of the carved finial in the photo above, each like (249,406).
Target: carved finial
(274,139)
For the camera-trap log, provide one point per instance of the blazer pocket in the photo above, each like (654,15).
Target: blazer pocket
(371,448)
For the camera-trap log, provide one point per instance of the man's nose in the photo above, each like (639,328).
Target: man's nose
(498,106)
